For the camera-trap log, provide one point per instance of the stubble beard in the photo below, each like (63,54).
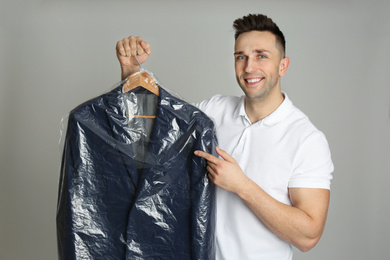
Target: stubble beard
(261,94)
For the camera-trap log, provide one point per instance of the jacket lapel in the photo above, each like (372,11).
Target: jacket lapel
(166,131)
(122,139)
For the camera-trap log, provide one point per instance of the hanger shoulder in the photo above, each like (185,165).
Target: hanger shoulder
(132,82)
(141,79)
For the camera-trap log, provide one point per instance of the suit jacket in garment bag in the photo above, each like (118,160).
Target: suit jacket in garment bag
(109,208)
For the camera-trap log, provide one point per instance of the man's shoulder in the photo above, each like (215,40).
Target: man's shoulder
(299,121)
(219,98)
(219,102)
(294,120)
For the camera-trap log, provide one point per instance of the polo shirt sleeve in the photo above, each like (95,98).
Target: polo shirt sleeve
(313,165)
(208,105)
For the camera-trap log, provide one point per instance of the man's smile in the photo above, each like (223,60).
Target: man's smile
(253,81)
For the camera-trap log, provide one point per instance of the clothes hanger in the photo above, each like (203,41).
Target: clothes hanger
(141,79)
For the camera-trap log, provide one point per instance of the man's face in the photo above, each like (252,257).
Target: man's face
(258,64)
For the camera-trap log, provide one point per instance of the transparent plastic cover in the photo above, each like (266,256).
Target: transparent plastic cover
(130,185)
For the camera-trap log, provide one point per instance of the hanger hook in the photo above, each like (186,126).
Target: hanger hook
(135,57)
(139,64)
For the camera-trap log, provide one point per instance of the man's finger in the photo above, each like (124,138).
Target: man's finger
(207,156)
(139,49)
(120,48)
(125,43)
(210,170)
(133,41)
(224,154)
(212,177)
(146,47)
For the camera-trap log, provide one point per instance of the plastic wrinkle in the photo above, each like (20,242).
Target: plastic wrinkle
(130,186)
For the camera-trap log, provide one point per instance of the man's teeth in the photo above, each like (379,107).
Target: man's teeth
(253,80)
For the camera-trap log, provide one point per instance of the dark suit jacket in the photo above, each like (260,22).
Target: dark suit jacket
(110,207)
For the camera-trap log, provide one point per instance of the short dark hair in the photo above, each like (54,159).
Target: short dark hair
(259,22)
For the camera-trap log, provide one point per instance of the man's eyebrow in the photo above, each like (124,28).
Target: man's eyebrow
(255,51)
(261,51)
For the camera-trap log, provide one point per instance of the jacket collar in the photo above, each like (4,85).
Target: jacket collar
(165,124)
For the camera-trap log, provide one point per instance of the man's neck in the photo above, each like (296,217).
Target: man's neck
(257,110)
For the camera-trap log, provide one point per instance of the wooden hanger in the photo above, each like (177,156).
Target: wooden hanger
(141,79)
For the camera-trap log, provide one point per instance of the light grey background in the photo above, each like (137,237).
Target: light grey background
(56,54)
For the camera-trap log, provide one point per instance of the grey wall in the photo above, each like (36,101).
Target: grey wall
(56,54)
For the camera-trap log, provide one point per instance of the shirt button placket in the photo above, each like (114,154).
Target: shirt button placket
(240,146)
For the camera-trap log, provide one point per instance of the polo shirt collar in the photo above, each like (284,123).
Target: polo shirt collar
(240,108)
(278,115)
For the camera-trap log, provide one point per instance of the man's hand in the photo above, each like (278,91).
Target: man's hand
(127,49)
(301,224)
(225,172)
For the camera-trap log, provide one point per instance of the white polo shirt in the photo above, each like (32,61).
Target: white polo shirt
(281,151)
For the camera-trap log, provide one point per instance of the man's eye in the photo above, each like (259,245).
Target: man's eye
(262,56)
(240,57)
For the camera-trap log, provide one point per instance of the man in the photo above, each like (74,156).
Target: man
(274,173)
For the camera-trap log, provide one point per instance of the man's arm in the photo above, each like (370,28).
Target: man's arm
(301,224)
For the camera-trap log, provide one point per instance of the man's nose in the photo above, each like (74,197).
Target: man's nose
(249,66)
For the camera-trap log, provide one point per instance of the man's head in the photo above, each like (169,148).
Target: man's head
(259,22)
(259,57)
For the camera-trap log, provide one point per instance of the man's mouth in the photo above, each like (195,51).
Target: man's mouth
(253,81)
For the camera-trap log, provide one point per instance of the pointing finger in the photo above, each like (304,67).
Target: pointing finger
(207,156)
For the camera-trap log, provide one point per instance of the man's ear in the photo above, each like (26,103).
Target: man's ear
(284,63)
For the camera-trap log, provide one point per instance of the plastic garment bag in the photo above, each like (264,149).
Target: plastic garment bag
(130,184)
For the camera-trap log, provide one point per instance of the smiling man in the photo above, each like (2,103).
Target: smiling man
(273,174)
(259,64)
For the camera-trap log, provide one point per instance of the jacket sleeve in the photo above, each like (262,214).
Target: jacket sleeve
(202,196)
